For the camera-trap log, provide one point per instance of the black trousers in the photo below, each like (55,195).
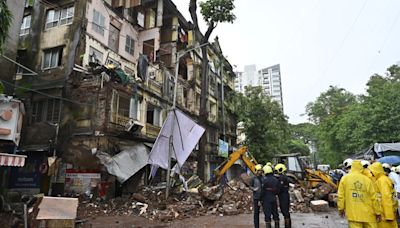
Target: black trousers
(284,204)
(270,207)
(256,210)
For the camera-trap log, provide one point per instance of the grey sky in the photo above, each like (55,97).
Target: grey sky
(317,42)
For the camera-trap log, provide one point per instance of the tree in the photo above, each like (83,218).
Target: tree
(330,103)
(5,22)
(298,146)
(326,113)
(265,126)
(214,12)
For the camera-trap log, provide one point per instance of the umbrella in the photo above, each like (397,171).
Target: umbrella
(392,160)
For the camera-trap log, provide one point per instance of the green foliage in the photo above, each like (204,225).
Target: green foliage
(215,11)
(347,124)
(326,112)
(298,146)
(303,131)
(265,125)
(5,22)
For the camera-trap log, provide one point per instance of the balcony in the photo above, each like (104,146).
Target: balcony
(152,131)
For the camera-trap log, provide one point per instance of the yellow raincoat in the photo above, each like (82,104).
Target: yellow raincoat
(368,173)
(357,197)
(386,195)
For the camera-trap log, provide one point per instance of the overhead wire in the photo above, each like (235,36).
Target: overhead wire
(383,44)
(338,49)
(45,94)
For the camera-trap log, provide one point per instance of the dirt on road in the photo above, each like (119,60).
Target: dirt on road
(299,220)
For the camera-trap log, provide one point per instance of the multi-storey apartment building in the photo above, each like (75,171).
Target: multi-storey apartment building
(104,83)
(270,80)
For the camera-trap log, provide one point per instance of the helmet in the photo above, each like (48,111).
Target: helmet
(386,166)
(393,169)
(347,163)
(269,163)
(280,168)
(258,167)
(267,169)
(398,169)
(365,163)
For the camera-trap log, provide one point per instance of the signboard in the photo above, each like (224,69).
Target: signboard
(10,120)
(223,148)
(27,179)
(80,181)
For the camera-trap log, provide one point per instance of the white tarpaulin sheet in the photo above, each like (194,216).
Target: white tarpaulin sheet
(126,163)
(382,147)
(186,134)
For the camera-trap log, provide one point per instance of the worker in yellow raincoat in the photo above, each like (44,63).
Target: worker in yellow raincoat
(366,171)
(357,199)
(386,195)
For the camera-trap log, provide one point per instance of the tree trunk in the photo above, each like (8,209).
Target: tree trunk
(203,114)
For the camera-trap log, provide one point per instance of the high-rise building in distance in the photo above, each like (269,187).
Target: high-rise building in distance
(270,80)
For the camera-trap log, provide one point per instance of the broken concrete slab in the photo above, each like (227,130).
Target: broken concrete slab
(319,205)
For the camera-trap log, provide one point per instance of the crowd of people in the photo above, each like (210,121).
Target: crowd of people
(268,183)
(368,194)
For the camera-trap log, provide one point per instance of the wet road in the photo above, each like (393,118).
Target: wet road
(299,220)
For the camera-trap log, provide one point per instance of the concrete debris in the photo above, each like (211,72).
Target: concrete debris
(319,205)
(150,203)
(231,199)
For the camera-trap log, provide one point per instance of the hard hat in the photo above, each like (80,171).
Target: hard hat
(267,169)
(398,169)
(258,167)
(386,166)
(347,163)
(269,163)
(365,163)
(280,168)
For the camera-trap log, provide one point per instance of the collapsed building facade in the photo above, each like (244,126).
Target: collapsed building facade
(104,83)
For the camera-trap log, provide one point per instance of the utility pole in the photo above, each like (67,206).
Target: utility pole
(178,57)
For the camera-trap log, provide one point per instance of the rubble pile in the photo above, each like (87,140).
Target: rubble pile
(300,199)
(234,198)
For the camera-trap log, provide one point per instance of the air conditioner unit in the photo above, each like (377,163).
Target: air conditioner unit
(133,125)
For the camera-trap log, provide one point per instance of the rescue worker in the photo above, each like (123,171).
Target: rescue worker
(357,199)
(270,190)
(256,186)
(366,171)
(283,195)
(386,196)
(347,165)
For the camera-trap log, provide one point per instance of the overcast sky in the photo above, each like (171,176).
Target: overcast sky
(317,42)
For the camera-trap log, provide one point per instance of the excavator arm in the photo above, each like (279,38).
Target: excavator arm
(238,154)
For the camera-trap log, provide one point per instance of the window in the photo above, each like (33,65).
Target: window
(67,15)
(46,110)
(119,108)
(95,55)
(98,22)
(153,115)
(129,45)
(52,58)
(25,26)
(59,17)
(212,136)
(113,38)
(134,111)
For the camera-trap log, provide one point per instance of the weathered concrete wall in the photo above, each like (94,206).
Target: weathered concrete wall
(10,46)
